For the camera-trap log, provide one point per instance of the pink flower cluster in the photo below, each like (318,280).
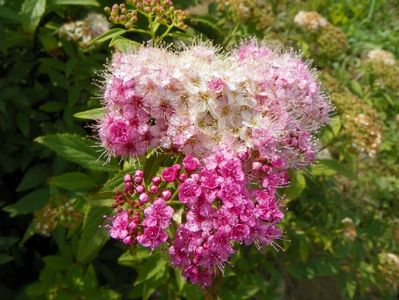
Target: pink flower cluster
(222,210)
(241,120)
(197,99)
(134,219)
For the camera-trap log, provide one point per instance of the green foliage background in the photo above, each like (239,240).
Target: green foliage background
(48,103)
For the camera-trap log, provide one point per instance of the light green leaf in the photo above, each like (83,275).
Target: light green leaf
(134,257)
(93,237)
(73,181)
(329,167)
(28,203)
(77,149)
(92,114)
(73,2)
(297,185)
(123,44)
(31,13)
(107,35)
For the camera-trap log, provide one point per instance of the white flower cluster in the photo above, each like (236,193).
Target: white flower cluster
(381,56)
(311,20)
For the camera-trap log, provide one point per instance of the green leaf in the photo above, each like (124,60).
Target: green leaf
(92,114)
(77,149)
(28,203)
(123,44)
(93,237)
(31,13)
(90,280)
(52,106)
(107,35)
(73,2)
(73,181)
(8,14)
(356,88)
(134,257)
(304,249)
(153,268)
(23,122)
(33,178)
(297,185)
(329,167)
(7,241)
(5,258)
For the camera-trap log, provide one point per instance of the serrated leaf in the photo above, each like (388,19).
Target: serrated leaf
(31,13)
(77,149)
(73,2)
(73,181)
(33,178)
(93,237)
(28,203)
(92,114)
(153,268)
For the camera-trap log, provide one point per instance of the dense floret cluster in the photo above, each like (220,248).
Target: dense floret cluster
(237,121)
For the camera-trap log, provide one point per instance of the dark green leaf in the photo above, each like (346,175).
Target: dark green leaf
(28,203)
(5,258)
(73,181)
(93,237)
(33,178)
(77,149)
(52,106)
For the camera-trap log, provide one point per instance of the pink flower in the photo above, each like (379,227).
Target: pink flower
(189,191)
(170,174)
(216,85)
(190,163)
(152,237)
(158,215)
(122,227)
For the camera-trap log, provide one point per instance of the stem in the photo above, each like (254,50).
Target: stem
(165,34)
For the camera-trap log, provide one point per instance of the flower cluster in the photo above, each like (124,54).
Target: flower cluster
(388,267)
(239,121)
(255,100)
(361,123)
(222,211)
(141,214)
(384,67)
(311,20)
(60,211)
(161,11)
(330,40)
(256,12)
(85,30)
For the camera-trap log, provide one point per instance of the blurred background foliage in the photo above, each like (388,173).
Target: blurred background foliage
(342,215)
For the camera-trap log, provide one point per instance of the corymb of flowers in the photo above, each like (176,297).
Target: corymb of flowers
(234,124)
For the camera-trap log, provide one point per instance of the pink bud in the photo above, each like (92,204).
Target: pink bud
(139,173)
(143,198)
(183,177)
(140,189)
(154,189)
(156,180)
(127,178)
(138,179)
(166,195)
